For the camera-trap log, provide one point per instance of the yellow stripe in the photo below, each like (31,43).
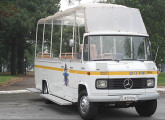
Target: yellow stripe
(101,73)
(114,73)
(49,68)
(78,72)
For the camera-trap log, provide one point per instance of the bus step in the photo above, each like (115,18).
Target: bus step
(34,90)
(56,99)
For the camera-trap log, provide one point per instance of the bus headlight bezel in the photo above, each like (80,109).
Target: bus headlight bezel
(150,83)
(101,84)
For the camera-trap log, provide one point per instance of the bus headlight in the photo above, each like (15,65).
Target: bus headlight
(150,83)
(101,84)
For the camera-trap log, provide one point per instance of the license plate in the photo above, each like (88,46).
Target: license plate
(129,97)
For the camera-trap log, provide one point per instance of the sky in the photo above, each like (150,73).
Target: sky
(64,3)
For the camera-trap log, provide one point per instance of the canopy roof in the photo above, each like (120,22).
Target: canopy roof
(100,17)
(69,14)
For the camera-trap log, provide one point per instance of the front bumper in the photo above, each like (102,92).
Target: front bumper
(118,98)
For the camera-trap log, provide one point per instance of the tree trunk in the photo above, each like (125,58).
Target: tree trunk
(13,56)
(1,65)
(20,48)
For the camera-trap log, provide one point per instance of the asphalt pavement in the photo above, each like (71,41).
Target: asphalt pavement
(17,103)
(31,106)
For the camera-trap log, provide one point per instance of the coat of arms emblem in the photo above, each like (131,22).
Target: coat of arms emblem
(66,74)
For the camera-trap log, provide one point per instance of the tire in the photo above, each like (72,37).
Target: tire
(45,91)
(86,109)
(146,108)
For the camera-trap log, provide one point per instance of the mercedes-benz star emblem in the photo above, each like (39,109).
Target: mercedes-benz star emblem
(128,83)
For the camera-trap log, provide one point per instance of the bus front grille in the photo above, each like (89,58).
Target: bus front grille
(129,83)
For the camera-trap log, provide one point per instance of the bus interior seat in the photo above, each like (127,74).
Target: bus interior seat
(68,56)
(45,55)
(93,52)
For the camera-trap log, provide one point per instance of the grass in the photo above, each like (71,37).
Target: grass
(6,78)
(161,78)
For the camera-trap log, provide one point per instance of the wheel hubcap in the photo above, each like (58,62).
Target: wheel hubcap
(84,104)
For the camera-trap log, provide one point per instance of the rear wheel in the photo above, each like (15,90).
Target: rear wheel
(87,109)
(45,91)
(146,108)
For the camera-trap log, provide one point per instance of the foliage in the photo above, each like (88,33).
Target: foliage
(161,78)
(7,8)
(6,78)
(17,33)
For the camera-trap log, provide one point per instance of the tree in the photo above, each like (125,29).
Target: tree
(7,9)
(20,29)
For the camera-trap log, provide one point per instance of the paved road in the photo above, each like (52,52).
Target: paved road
(31,106)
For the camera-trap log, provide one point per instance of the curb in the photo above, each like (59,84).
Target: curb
(14,91)
(161,90)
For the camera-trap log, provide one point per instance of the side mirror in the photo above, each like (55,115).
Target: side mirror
(71,43)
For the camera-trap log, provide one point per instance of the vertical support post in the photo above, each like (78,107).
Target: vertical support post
(72,52)
(43,39)
(73,39)
(114,44)
(75,34)
(73,31)
(131,49)
(101,46)
(82,50)
(62,22)
(145,50)
(79,34)
(51,39)
(36,41)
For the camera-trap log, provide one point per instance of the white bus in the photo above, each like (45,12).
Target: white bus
(111,64)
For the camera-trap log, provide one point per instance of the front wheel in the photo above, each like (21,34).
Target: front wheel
(146,108)
(87,109)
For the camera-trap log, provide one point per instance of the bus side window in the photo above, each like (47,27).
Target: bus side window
(85,50)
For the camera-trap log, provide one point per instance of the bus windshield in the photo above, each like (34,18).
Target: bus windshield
(103,48)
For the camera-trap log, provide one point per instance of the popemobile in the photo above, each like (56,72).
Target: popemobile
(112,65)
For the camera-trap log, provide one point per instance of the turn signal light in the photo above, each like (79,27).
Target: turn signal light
(158,72)
(88,73)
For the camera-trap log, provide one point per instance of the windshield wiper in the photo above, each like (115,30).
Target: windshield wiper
(106,60)
(133,59)
(102,60)
(141,60)
(128,59)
